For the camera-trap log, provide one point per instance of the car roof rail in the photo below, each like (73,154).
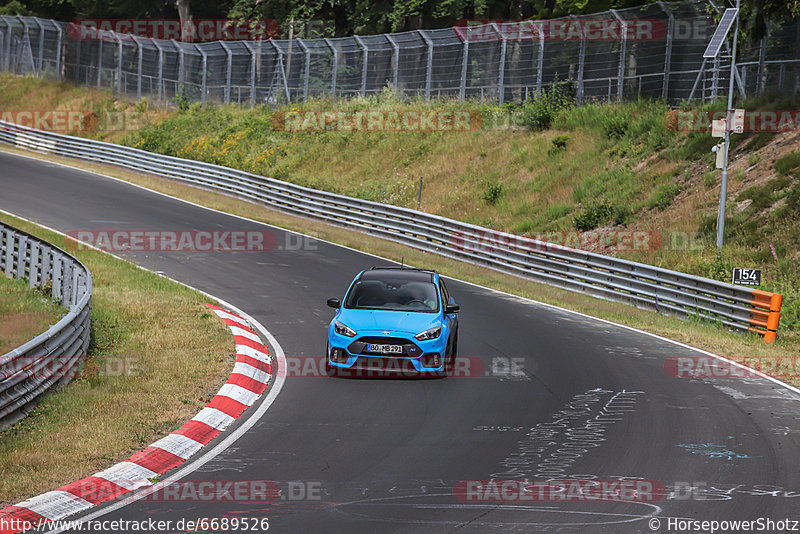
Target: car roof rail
(400,268)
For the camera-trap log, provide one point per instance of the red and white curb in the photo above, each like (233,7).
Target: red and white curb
(248,381)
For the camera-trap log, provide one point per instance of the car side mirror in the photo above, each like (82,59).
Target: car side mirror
(452,308)
(334,303)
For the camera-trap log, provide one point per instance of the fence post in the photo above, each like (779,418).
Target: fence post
(335,67)
(119,65)
(429,67)
(8,43)
(307,68)
(502,70)
(78,64)
(228,76)
(762,54)
(364,63)
(4,38)
(281,70)
(140,52)
(27,38)
(667,50)
(41,45)
(58,48)
(623,52)
(540,57)
(204,79)
(714,79)
(252,71)
(160,69)
(462,91)
(99,60)
(395,60)
(581,58)
(181,68)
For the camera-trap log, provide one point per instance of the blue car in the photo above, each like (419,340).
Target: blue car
(393,320)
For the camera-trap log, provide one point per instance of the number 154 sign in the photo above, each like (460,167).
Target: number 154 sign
(746,277)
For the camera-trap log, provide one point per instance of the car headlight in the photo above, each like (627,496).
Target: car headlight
(433,333)
(344,330)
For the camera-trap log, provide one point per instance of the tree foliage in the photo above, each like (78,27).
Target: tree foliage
(336,18)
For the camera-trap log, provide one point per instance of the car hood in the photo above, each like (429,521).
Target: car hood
(386,320)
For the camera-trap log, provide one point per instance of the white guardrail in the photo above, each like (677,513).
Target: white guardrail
(585,272)
(51,359)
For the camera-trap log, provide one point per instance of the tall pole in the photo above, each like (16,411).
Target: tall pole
(723,192)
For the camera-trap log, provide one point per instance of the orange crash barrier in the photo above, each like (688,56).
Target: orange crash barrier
(766,314)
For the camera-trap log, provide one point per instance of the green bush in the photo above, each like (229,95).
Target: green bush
(720,268)
(788,163)
(593,215)
(494,190)
(615,125)
(538,112)
(558,144)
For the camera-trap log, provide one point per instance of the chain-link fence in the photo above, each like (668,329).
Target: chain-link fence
(651,51)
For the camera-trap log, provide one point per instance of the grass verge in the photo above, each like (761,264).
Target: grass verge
(745,348)
(148,334)
(26,313)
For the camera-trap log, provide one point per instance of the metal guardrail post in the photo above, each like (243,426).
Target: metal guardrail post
(335,67)
(395,61)
(581,60)
(306,68)
(622,54)
(229,53)
(364,64)
(502,67)
(429,67)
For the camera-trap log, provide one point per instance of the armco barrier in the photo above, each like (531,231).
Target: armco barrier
(606,277)
(49,360)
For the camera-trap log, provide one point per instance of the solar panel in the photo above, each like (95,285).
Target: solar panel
(721,32)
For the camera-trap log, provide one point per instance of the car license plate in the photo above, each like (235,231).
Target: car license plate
(385,349)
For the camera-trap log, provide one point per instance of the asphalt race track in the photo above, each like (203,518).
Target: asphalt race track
(550,394)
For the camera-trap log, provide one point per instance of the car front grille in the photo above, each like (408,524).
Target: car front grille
(410,350)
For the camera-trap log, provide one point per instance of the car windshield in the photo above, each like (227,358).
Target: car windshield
(393,295)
